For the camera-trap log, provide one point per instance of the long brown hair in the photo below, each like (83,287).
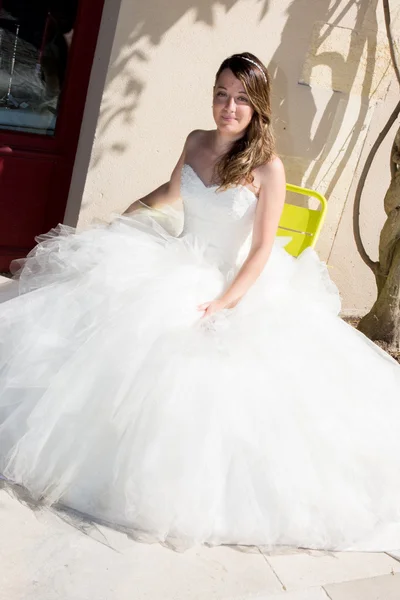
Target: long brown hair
(257,145)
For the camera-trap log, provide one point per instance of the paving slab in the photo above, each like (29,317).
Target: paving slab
(8,288)
(43,557)
(386,587)
(308,569)
(314,593)
(51,555)
(395,554)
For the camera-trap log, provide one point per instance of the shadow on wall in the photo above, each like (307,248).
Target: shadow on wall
(311,145)
(153,20)
(314,146)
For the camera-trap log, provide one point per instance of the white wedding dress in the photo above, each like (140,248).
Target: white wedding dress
(273,423)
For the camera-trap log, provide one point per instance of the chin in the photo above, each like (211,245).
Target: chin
(231,126)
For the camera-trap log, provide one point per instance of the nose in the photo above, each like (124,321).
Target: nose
(230,104)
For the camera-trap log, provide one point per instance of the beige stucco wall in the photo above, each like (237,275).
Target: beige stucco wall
(331,74)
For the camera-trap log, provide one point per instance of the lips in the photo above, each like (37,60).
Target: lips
(228,118)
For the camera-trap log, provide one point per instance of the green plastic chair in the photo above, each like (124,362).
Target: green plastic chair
(303,225)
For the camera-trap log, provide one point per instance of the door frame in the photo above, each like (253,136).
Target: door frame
(63,145)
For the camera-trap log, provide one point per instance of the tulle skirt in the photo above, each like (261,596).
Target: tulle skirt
(272,423)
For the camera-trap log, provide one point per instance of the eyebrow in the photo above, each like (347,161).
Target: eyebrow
(224,88)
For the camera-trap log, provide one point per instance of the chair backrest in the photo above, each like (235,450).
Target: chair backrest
(303,225)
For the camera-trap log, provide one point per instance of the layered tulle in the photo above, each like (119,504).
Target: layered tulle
(272,423)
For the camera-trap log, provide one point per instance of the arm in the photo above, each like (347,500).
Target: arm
(268,212)
(168,192)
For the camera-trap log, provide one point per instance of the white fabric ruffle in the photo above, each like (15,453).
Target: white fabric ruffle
(273,423)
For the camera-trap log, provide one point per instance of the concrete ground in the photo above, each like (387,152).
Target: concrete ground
(52,555)
(8,288)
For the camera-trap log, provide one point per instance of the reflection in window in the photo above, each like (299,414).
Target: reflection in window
(35,37)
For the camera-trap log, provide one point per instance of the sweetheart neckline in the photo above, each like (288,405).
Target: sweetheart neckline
(213,185)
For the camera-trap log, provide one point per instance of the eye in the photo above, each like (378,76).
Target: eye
(243,99)
(221,94)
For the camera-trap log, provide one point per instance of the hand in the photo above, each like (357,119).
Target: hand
(215,305)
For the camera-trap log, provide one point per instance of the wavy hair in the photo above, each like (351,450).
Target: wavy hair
(257,145)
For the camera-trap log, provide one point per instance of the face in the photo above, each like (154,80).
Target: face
(232,110)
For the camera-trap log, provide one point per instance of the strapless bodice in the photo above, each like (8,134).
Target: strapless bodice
(222,219)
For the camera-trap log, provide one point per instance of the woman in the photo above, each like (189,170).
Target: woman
(201,388)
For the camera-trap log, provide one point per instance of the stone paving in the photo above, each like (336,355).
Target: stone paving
(50,555)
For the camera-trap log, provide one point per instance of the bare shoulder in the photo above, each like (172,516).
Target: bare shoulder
(196,138)
(197,143)
(271,172)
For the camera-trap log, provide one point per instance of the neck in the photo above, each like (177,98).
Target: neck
(222,142)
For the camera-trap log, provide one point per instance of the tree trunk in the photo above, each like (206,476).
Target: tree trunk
(382,323)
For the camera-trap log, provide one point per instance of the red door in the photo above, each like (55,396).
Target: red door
(46,54)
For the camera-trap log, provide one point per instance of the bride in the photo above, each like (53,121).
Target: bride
(200,387)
